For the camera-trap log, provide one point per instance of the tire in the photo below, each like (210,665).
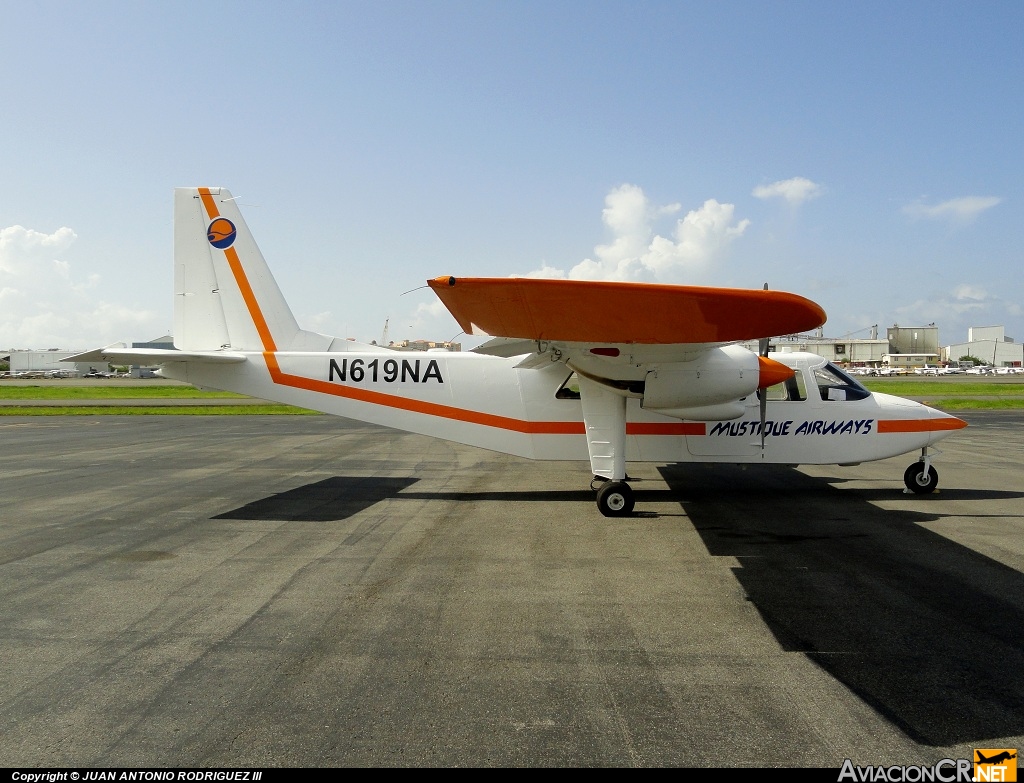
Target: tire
(615,499)
(918,481)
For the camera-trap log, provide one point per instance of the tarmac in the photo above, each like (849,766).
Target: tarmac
(306,591)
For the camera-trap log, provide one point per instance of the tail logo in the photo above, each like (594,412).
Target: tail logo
(221,233)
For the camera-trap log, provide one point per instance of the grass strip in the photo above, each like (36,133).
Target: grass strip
(111,393)
(960,404)
(915,388)
(164,410)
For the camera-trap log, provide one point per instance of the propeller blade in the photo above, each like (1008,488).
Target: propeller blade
(768,373)
(763,394)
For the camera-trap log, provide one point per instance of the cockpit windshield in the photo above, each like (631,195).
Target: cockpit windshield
(836,385)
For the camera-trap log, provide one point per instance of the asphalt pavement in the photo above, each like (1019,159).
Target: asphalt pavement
(285,591)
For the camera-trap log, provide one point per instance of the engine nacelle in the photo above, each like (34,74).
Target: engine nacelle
(708,388)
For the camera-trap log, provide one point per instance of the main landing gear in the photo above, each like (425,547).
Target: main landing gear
(615,499)
(921,478)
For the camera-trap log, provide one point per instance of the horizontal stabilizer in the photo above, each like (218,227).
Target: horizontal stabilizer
(120,354)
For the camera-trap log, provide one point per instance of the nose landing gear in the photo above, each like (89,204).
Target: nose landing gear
(921,478)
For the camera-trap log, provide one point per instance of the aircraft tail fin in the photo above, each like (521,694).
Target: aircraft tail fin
(225,297)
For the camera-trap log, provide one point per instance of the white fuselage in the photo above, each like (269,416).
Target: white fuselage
(488,402)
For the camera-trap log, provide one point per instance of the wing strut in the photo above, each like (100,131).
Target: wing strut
(604,415)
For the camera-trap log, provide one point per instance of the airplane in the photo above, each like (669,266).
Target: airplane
(996,759)
(608,372)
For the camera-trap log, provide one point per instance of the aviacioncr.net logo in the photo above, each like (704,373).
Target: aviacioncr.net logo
(945,771)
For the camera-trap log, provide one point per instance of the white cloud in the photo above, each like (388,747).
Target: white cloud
(968,292)
(426,319)
(21,247)
(957,309)
(795,190)
(547,272)
(432,321)
(961,210)
(43,304)
(637,253)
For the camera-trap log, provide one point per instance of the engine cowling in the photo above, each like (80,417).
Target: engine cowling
(708,388)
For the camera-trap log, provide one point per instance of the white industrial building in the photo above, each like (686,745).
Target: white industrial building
(906,347)
(990,344)
(856,352)
(910,361)
(54,360)
(49,362)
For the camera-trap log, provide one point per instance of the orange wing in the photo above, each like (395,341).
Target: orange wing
(586,311)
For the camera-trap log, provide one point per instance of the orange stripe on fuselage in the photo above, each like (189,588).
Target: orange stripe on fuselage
(920,425)
(469,416)
(666,428)
(420,406)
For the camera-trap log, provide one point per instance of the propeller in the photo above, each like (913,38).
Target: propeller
(762,352)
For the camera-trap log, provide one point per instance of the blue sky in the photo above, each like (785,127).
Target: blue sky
(866,155)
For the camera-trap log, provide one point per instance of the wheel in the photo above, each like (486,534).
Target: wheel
(615,499)
(918,481)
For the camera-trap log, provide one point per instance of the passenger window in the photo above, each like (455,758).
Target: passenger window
(791,390)
(570,389)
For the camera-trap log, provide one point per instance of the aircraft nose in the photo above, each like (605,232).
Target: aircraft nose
(946,421)
(772,372)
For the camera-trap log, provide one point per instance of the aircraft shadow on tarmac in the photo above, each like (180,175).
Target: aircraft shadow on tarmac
(341,497)
(330,500)
(926,631)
